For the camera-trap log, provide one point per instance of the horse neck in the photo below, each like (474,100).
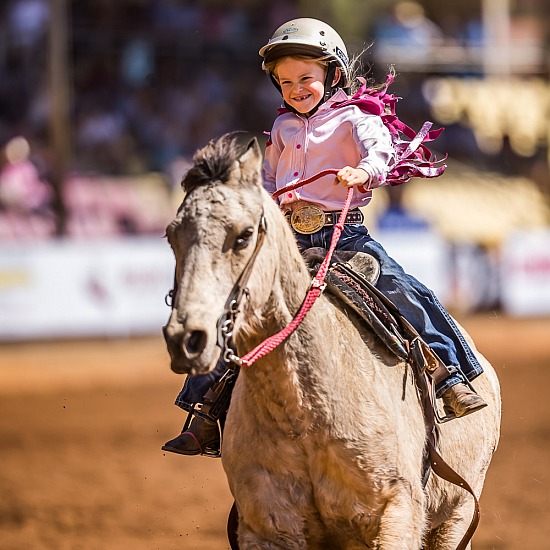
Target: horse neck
(290,279)
(279,384)
(291,387)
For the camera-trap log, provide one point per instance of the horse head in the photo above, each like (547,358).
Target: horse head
(225,256)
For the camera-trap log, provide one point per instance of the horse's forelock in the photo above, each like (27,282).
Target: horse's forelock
(213,162)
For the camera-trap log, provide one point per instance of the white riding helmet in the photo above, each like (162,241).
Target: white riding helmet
(306,36)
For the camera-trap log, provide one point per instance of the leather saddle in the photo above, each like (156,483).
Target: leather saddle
(352,278)
(365,264)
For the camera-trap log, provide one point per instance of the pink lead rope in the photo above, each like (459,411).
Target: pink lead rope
(317,284)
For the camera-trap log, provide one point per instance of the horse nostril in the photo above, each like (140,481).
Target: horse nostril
(194,343)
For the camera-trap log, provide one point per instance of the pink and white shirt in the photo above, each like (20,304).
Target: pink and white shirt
(331,138)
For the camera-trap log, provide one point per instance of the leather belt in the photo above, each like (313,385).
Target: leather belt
(310,218)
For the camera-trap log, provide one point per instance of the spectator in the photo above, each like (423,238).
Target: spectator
(407,33)
(21,189)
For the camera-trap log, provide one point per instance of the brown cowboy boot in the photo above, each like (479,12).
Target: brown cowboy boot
(459,400)
(201,438)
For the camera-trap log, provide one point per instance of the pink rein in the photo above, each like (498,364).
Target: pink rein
(317,284)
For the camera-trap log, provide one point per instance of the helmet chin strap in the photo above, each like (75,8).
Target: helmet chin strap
(329,83)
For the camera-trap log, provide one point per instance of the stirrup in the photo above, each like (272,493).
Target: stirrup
(448,416)
(440,419)
(196,411)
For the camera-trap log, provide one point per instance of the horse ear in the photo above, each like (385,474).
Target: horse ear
(251,160)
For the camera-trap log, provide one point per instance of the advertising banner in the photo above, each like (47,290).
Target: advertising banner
(84,288)
(525,274)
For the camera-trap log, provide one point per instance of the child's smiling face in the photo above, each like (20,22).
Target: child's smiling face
(302,82)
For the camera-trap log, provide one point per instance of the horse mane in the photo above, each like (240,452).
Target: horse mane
(214,161)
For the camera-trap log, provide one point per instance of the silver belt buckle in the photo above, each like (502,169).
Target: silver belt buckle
(307,219)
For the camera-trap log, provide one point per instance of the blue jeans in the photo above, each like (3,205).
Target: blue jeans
(417,304)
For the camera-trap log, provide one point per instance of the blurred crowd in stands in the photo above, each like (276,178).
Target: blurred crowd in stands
(151,80)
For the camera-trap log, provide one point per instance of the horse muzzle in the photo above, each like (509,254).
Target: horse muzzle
(189,348)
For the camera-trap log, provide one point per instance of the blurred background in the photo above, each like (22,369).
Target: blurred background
(102,105)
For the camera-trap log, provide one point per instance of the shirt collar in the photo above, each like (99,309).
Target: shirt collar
(340,95)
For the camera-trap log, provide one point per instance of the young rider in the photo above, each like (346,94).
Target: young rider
(321,128)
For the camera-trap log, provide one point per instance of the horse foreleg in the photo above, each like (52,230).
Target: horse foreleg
(262,526)
(241,537)
(250,539)
(403,519)
(448,535)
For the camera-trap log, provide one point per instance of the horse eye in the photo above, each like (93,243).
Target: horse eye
(244,238)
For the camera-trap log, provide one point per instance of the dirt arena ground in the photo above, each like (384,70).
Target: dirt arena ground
(81,425)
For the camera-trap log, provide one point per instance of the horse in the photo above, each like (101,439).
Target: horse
(324,441)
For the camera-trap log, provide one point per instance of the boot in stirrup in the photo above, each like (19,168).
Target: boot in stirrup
(202,437)
(459,400)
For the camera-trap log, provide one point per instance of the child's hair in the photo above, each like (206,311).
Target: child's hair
(271,66)
(358,72)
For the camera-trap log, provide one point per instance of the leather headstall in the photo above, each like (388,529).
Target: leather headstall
(226,322)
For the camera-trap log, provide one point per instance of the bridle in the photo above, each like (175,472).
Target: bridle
(226,322)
